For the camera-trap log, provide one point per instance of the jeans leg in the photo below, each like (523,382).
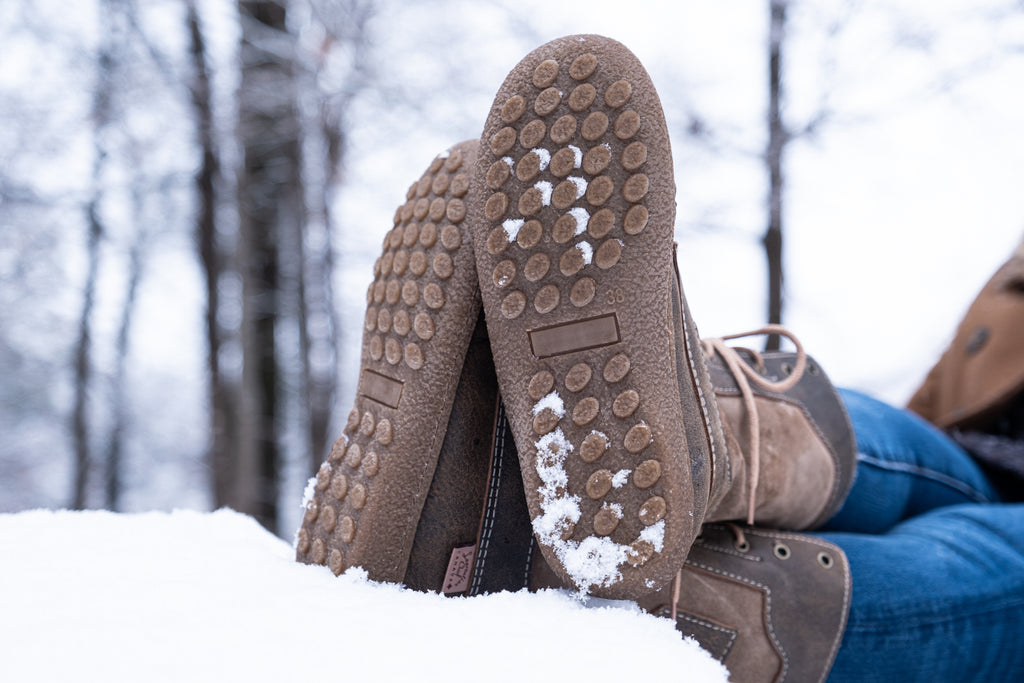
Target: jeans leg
(938,598)
(905,466)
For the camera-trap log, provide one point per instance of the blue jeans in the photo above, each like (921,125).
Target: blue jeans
(937,562)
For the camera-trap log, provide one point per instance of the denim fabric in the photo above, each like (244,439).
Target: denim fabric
(905,467)
(939,597)
(938,569)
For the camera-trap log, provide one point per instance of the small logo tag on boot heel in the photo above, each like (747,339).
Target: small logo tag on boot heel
(460,567)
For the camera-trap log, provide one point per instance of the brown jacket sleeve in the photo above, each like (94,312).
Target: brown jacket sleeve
(984,365)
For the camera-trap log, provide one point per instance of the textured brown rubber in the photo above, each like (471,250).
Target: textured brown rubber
(364,505)
(574,249)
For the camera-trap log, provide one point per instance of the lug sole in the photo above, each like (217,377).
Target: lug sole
(574,252)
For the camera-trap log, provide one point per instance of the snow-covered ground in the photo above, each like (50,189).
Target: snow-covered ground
(188,596)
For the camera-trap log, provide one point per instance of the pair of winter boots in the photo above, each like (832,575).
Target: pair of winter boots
(535,408)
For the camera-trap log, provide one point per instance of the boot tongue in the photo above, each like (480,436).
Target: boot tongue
(743,374)
(808,454)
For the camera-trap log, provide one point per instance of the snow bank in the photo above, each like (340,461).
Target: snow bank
(186,596)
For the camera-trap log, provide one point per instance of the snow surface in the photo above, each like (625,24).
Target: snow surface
(620,478)
(552,402)
(544,156)
(577,155)
(545,189)
(593,561)
(512,227)
(188,596)
(587,250)
(582,216)
(580,183)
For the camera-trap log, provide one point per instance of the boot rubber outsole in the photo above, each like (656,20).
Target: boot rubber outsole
(574,250)
(364,504)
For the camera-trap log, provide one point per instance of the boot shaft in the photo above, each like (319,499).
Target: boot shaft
(807,452)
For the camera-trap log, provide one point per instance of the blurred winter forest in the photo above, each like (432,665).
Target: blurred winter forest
(192,193)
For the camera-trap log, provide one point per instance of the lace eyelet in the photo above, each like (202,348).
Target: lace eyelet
(812,369)
(787,369)
(742,546)
(781,551)
(825,560)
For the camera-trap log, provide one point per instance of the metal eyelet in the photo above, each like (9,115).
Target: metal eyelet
(812,368)
(743,546)
(781,551)
(787,369)
(825,560)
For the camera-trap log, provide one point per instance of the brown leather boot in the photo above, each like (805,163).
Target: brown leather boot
(364,506)
(597,360)
(791,451)
(410,491)
(771,606)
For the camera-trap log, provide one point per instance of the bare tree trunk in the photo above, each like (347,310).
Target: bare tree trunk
(308,295)
(83,351)
(101,115)
(114,478)
(223,440)
(346,23)
(778,138)
(270,209)
(319,324)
